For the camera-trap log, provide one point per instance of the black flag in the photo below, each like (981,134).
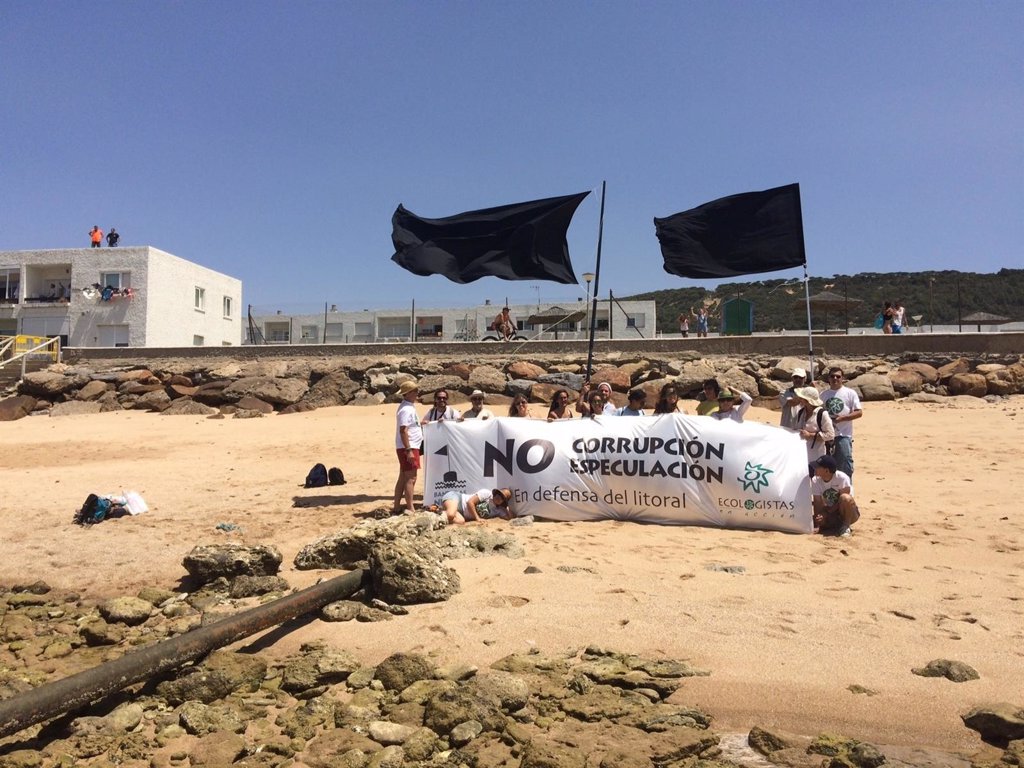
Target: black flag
(736,235)
(522,241)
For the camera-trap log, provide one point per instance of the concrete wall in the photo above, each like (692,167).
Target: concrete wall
(924,346)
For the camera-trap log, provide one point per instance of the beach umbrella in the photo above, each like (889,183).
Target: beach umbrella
(826,302)
(985,318)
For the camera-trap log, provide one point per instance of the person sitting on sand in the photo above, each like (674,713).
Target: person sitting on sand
(832,495)
(560,406)
(459,508)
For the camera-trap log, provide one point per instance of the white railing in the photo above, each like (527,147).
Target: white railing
(25,348)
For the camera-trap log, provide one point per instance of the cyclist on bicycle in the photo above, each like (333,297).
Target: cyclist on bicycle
(504,325)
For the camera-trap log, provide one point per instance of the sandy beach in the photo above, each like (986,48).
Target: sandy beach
(935,568)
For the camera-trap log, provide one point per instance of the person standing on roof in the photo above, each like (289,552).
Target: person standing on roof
(96,237)
(112,238)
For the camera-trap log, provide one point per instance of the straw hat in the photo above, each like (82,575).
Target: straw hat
(810,394)
(407,386)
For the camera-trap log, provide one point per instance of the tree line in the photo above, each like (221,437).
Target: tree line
(940,298)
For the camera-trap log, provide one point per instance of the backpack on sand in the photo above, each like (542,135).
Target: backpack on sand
(317,477)
(335,476)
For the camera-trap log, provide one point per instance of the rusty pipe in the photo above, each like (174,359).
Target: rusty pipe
(71,693)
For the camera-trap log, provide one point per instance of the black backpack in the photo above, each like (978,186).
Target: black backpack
(317,477)
(335,476)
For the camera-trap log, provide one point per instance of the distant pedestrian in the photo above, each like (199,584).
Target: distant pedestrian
(112,238)
(96,237)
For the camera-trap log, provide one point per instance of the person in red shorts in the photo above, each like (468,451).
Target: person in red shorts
(408,443)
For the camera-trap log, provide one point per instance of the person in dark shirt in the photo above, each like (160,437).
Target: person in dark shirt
(112,238)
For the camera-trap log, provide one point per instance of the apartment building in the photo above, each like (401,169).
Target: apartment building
(135,296)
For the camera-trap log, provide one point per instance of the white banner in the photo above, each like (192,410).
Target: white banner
(672,469)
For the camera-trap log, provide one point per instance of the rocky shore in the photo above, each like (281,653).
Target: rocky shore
(591,707)
(256,388)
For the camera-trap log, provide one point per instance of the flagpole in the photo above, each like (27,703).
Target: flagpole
(597,283)
(810,335)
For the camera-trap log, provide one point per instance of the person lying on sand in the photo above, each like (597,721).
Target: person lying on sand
(832,495)
(460,508)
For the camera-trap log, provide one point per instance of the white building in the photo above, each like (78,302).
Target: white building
(628,320)
(118,297)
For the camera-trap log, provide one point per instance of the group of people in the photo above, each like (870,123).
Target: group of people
(96,237)
(892,318)
(824,422)
(700,318)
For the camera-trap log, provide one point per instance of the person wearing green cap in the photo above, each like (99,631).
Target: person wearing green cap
(732,404)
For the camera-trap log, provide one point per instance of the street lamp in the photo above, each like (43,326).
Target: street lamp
(588,277)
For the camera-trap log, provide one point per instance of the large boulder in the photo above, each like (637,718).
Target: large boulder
(219,674)
(562,380)
(873,386)
(545,393)
(186,406)
(410,572)
(691,378)
(928,373)
(336,388)
(157,400)
(17,407)
(619,380)
(997,724)
(50,385)
(266,388)
(973,384)
(955,671)
(92,390)
(521,369)
(428,385)
(783,370)
(487,378)
(75,408)
(400,670)
(906,382)
(207,562)
(350,548)
(947,371)
(736,378)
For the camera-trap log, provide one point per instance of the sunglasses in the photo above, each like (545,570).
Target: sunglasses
(836,376)
(441,397)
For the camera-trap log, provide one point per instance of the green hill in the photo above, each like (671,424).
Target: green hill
(780,304)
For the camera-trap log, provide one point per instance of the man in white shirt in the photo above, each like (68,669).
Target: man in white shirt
(832,495)
(477,411)
(408,442)
(843,405)
(441,410)
(732,404)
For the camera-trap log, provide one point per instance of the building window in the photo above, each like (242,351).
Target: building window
(310,333)
(116,280)
(227,306)
(197,341)
(636,321)
(200,299)
(10,279)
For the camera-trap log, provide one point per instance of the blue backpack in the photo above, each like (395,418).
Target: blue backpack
(95,510)
(317,477)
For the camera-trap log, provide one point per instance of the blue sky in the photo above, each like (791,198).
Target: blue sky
(273,141)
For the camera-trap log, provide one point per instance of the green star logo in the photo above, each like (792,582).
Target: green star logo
(755,477)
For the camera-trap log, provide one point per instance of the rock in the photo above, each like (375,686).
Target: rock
(336,388)
(207,562)
(928,373)
(545,393)
(126,610)
(521,369)
(142,375)
(428,385)
(250,403)
(219,674)
(1001,382)
(269,389)
(99,632)
(317,666)
(407,573)
(211,393)
(873,387)
(997,724)
(155,595)
(783,370)
(522,387)
(199,719)
(75,408)
(350,548)
(544,753)
(736,378)
(251,586)
(765,742)
(973,384)
(690,379)
(570,381)
(186,406)
(400,670)
(619,380)
(906,382)
(217,749)
(450,708)
(17,407)
(487,378)
(157,400)
(457,542)
(50,385)
(511,691)
(463,733)
(947,371)
(92,390)
(956,671)
(387,733)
